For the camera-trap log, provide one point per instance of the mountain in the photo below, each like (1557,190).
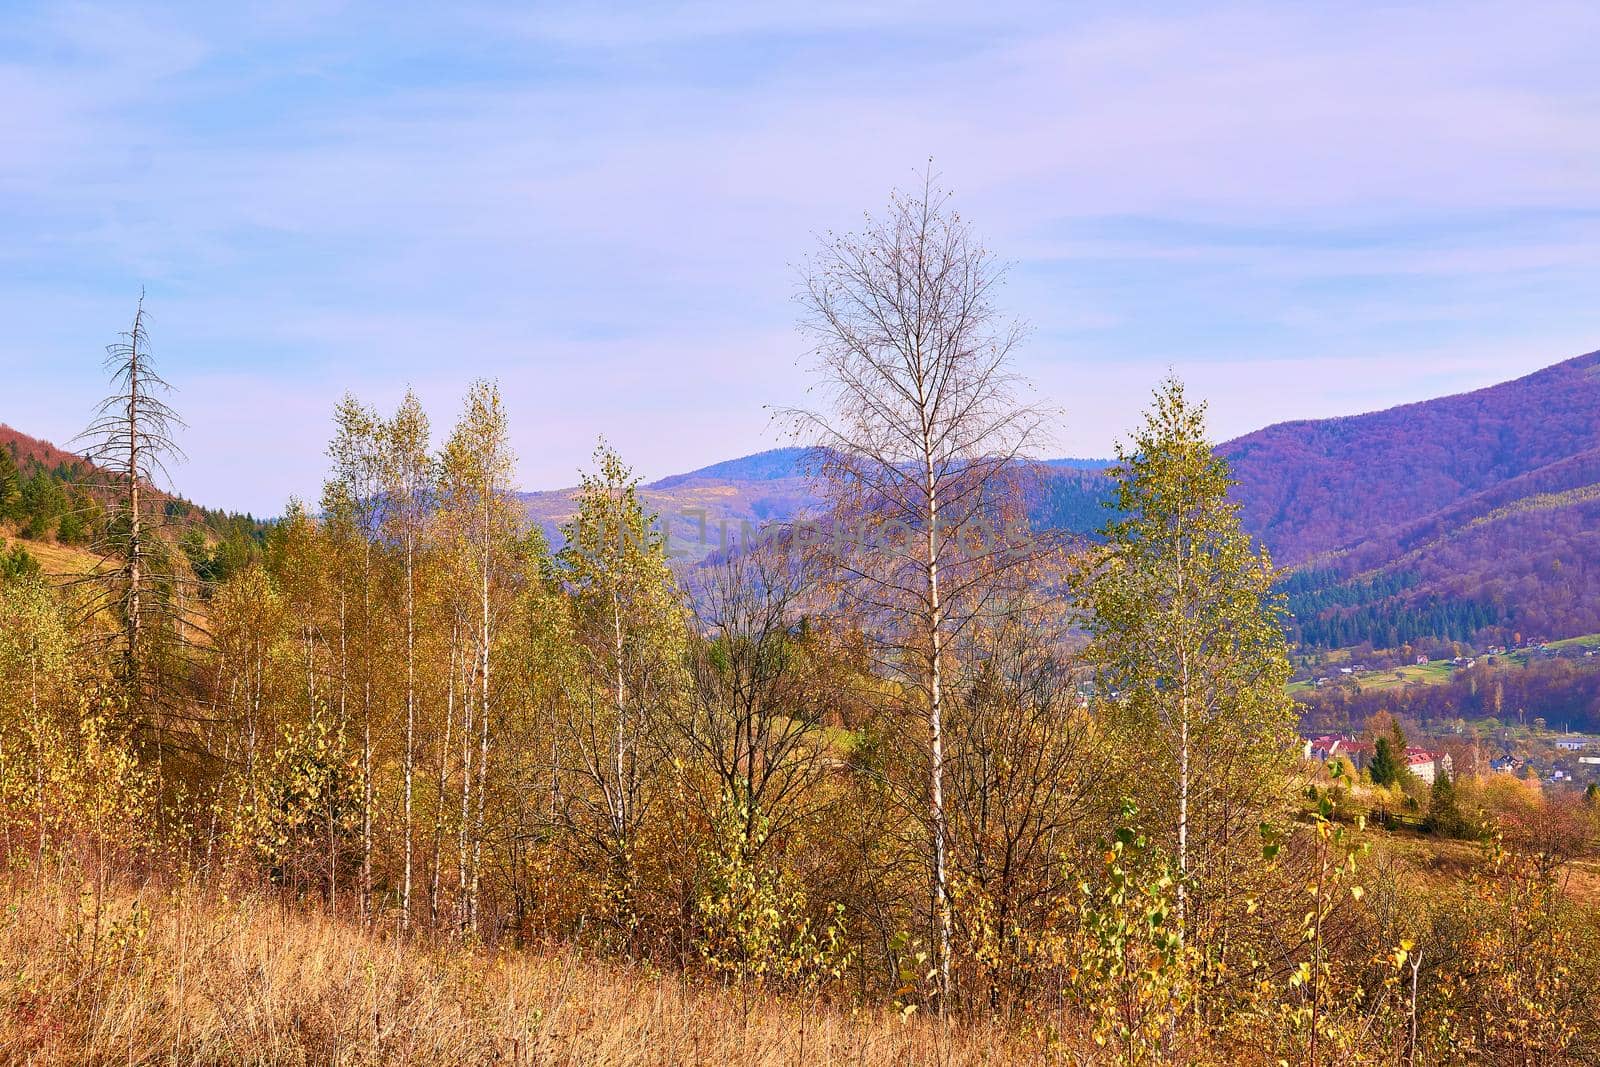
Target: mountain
(1316,486)
(1465,516)
(703,510)
(26,451)
(1472,517)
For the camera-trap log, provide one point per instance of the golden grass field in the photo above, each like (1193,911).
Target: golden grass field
(165,976)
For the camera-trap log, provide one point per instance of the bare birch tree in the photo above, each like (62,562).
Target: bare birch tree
(920,435)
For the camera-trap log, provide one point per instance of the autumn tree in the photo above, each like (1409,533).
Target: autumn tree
(629,634)
(919,437)
(251,627)
(476,473)
(41,676)
(1187,643)
(408,483)
(353,502)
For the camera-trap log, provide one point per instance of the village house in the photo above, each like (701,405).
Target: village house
(1429,765)
(1424,763)
(1334,746)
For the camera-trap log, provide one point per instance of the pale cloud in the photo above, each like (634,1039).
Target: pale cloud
(1307,210)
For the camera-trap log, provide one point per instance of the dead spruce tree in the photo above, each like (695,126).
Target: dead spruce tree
(919,437)
(129,442)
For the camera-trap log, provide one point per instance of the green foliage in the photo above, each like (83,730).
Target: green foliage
(10,488)
(72,529)
(1444,809)
(757,924)
(17,563)
(1385,768)
(43,502)
(1127,962)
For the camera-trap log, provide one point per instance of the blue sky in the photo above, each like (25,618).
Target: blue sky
(1304,210)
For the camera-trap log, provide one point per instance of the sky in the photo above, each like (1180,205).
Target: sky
(1303,210)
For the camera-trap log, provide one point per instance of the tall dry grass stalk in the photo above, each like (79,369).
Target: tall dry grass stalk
(152,974)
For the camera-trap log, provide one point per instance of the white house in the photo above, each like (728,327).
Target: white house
(1428,765)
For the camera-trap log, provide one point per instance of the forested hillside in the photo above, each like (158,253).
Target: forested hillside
(1472,518)
(50,497)
(1319,486)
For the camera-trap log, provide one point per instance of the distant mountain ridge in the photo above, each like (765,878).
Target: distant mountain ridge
(775,464)
(701,510)
(1315,486)
(1459,517)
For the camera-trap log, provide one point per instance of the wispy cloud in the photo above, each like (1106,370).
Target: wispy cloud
(1307,209)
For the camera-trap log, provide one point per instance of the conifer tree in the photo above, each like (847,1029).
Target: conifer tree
(10,487)
(1385,768)
(1444,808)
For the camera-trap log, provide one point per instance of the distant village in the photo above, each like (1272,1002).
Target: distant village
(1529,749)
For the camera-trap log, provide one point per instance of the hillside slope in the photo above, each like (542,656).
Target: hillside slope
(54,503)
(25,449)
(1471,517)
(1314,486)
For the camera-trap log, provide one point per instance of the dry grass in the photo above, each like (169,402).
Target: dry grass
(57,561)
(167,976)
